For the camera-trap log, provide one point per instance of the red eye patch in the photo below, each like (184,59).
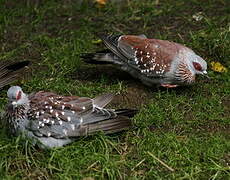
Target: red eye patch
(19,95)
(197,66)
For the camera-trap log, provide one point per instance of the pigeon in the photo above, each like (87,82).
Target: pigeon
(9,71)
(155,62)
(51,120)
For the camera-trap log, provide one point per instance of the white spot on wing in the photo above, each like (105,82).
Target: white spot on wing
(65,131)
(81,120)
(73,126)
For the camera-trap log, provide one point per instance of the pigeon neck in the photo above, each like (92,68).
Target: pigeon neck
(18,119)
(187,58)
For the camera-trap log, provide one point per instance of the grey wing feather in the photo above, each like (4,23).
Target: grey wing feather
(103,100)
(120,49)
(98,115)
(107,126)
(126,50)
(111,42)
(143,36)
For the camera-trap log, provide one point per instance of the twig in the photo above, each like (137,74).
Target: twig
(138,164)
(165,165)
(117,29)
(92,165)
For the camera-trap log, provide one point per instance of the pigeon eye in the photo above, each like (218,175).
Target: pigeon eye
(197,66)
(19,95)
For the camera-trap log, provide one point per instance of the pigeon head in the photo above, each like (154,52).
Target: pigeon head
(199,65)
(16,96)
(196,64)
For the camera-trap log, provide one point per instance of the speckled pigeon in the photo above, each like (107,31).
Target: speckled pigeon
(52,120)
(153,61)
(9,71)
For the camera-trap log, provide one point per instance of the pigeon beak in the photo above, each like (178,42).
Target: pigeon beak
(204,73)
(14,104)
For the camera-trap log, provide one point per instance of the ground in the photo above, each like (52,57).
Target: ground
(188,128)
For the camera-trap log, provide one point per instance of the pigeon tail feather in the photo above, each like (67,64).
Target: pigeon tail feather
(17,66)
(9,70)
(99,57)
(110,126)
(126,112)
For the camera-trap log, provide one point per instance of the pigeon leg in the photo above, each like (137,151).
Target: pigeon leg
(169,85)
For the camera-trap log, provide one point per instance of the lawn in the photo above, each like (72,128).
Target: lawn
(181,133)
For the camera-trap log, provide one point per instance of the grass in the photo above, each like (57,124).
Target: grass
(186,128)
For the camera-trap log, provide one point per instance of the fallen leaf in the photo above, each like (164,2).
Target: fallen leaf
(218,67)
(198,16)
(98,41)
(88,178)
(101,3)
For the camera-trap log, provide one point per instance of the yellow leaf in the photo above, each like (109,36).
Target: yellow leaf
(101,2)
(218,67)
(98,41)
